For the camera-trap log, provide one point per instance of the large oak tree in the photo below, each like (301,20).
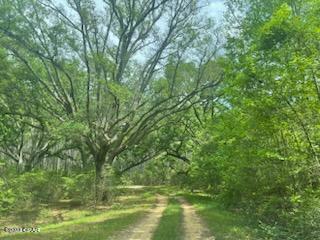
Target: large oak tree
(108,73)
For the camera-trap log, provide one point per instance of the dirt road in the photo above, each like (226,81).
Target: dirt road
(144,229)
(193,226)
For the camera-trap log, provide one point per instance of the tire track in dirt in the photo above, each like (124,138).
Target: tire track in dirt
(145,228)
(193,226)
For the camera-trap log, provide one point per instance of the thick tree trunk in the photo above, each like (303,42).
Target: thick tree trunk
(27,167)
(100,160)
(100,179)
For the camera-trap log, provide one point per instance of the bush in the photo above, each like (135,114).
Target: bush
(7,198)
(301,222)
(305,221)
(28,189)
(79,187)
(37,187)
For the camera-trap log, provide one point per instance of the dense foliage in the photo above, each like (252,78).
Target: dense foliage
(260,152)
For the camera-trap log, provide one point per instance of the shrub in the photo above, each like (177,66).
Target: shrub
(79,187)
(37,187)
(7,197)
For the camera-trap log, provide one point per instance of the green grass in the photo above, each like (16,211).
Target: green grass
(170,226)
(83,229)
(223,224)
(85,223)
(88,224)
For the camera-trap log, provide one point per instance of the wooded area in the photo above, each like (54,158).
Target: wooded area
(97,94)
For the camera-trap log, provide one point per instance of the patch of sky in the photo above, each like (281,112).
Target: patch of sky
(215,9)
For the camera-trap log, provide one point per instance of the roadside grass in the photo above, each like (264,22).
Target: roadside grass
(61,222)
(224,225)
(170,226)
(87,228)
(86,223)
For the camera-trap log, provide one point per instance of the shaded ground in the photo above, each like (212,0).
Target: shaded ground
(83,223)
(138,213)
(145,228)
(193,227)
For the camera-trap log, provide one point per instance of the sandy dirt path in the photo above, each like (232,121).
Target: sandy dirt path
(193,226)
(145,228)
